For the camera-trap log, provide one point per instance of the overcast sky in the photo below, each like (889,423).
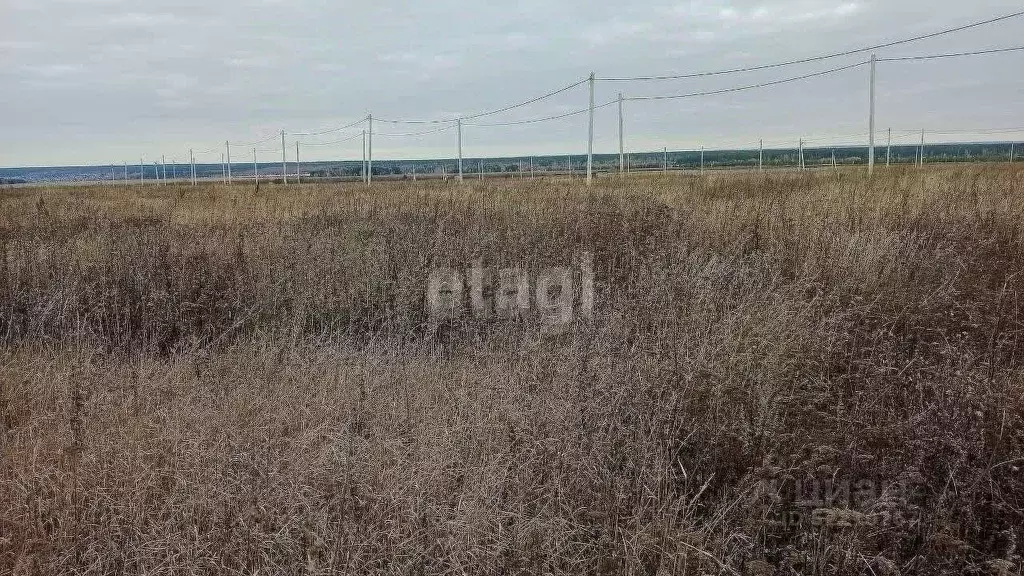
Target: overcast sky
(106,81)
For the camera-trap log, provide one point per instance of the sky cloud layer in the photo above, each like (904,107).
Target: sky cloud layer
(107,81)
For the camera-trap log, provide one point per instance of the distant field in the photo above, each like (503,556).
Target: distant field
(810,373)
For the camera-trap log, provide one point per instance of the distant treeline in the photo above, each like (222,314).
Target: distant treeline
(655,159)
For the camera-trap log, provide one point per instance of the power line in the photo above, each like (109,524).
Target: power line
(527,102)
(749,86)
(953,55)
(816,58)
(965,131)
(543,119)
(332,130)
(346,139)
(258,142)
(490,112)
(424,133)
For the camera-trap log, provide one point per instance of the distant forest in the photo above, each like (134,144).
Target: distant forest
(677,160)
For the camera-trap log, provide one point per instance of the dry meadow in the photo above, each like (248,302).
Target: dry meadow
(791,373)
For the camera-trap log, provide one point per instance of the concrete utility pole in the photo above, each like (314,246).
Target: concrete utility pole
(801,153)
(590,140)
(702,160)
(363,168)
(142,171)
(194,175)
(888,148)
(298,165)
(622,161)
(871,121)
(174,169)
(284,159)
(460,148)
(228,146)
(156,169)
(1011,152)
(481,170)
(163,160)
(760,155)
(125,173)
(664,160)
(921,155)
(834,166)
(531,167)
(568,166)
(369,162)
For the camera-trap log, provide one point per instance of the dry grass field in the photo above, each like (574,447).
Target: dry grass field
(783,374)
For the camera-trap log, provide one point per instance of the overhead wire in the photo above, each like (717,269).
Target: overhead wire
(489,112)
(346,139)
(258,142)
(749,86)
(448,124)
(964,131)
(332,130)
(952,55)
(542,119)
(815,58)
(424,133)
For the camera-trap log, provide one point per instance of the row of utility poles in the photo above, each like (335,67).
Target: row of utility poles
(160,170)
(161,176)
(367,136)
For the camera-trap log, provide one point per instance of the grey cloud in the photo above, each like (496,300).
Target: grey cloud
(103,80)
